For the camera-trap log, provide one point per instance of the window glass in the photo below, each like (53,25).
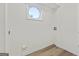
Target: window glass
(34,12)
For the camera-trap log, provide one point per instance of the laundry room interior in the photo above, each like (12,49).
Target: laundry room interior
(39,29)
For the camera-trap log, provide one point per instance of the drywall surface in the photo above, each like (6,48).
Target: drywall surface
(67,18)
(2,30)
(27,35)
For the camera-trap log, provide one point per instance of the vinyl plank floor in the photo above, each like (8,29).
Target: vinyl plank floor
(51,50)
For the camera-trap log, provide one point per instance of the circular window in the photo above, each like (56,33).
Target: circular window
(34,12)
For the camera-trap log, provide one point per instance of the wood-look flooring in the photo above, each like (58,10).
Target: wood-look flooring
(51,50)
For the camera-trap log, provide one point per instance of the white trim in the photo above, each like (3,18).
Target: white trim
(37,6)
(6,28)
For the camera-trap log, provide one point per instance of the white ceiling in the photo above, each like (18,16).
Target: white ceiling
(52,5)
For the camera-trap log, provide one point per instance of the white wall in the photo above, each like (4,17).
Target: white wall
(2,27)
(78,26)
(34,35)
(67,18)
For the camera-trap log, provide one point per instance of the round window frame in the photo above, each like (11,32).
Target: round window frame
(40,10)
